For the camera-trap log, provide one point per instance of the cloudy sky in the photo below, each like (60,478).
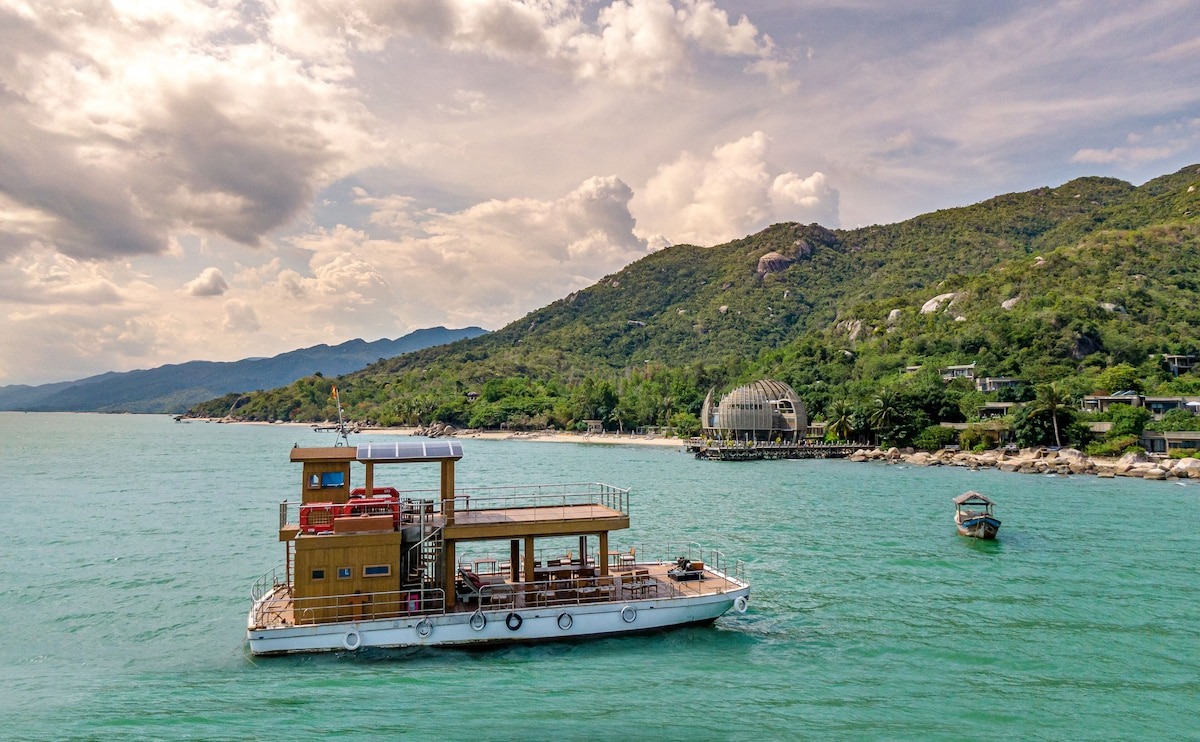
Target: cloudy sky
(216,180)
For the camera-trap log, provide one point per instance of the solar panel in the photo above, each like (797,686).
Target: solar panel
(409,450)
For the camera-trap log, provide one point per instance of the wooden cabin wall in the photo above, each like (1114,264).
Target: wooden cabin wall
(354,551)
(309,493)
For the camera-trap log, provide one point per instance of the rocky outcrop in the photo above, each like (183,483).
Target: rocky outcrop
(1065,461)
(436,430)
(936,303)
(773,262)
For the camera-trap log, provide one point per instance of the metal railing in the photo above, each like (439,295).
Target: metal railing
(415,503)
(714,559)
(286,610)
(637,555)
(277,577)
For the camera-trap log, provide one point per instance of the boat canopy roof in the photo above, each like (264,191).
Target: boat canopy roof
(393,451)
(971,497)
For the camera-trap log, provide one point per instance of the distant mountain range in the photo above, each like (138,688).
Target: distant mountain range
(174,388)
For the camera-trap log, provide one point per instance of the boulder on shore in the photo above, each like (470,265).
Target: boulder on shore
(1041,460)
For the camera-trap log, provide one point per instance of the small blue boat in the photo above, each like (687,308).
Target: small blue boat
(973,515)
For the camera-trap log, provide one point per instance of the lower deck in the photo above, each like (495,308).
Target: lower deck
(564,585)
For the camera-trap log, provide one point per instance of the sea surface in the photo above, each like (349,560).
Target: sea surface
(131,543)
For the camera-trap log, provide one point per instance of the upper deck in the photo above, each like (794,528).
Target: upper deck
(364,536)
(471,514)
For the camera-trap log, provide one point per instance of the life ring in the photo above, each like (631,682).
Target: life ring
(424,628)
(352,640)
(629,614)
(741,604)
(565,621)
(513,621)
(478,620)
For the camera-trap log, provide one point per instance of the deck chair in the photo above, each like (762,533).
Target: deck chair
(468,589)
(627,560)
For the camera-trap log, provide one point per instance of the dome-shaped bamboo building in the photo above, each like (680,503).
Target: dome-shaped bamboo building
(764,410)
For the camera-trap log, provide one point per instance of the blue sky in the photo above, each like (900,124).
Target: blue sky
(217,180)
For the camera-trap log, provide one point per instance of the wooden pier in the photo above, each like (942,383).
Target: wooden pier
(756,451)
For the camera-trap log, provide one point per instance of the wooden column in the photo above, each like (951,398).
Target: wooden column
(450,570)
(448,492)
(370,483)
(529,559)
(514,559)
(583,551)
(602,557)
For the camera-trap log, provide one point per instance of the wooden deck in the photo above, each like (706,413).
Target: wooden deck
(535,521)
(535,514)
(733,451)
(627,585)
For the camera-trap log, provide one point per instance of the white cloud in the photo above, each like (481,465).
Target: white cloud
(240,317)
(1121,155)
(811,199)
(40,277)
(210,282)
(730,194)
(121,124)
(496,259)
(632,42)
(1159,143)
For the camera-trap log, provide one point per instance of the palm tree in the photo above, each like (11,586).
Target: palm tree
(841,424)
(1049,399)
(883,412)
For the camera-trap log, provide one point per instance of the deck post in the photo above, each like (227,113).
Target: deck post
(514,559)
(370,479)
(447,491)
(450,559)
(529,559)
(602,554)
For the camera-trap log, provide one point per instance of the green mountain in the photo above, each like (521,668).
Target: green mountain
(1054,284)
(174,387)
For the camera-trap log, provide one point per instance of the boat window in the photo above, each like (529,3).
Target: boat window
(344,573)
(318,574)
(377,570)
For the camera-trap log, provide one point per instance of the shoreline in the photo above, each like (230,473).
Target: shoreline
(556,436)
(1037,460)
(546,436)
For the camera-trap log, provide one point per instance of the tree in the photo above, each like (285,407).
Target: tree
(1044,419)
(1119,378)
(840,419)
(1128,420)
(884,412)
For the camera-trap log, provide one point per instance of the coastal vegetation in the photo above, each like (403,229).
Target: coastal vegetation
(1070,291)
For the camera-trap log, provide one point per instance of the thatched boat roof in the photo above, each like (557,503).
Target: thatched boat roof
(971,497)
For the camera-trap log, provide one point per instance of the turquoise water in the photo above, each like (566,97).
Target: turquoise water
(132,542)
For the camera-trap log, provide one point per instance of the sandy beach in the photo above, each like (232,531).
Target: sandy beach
(545,436)
(550,436)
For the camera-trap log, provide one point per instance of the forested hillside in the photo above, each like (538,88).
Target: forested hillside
(1057,285)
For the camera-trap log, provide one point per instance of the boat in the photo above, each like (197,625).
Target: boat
(973,515)
(377,566)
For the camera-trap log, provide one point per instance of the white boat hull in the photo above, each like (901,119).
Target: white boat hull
(497,626)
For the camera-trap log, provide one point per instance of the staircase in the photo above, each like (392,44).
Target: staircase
(423,560)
